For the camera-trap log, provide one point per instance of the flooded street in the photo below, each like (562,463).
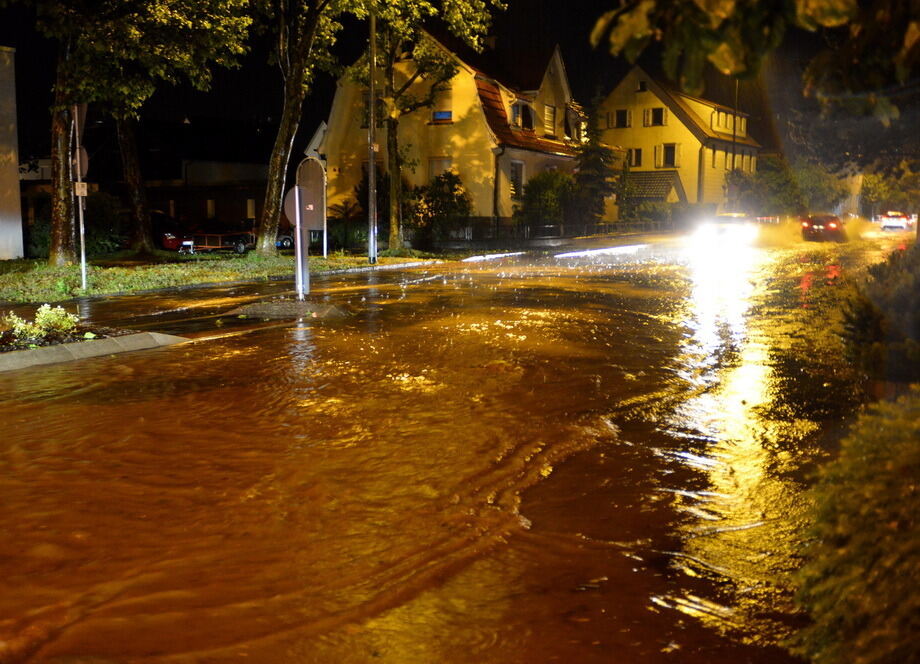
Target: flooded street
(594,456)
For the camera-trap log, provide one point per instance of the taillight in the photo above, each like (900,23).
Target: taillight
(832,225)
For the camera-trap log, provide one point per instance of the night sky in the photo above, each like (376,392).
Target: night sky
(247,100)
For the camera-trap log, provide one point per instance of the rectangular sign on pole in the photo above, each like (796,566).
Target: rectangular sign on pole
(80,189)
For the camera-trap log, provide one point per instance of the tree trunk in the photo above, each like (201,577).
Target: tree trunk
(395,169)
(141,241)
(62,248)
(294,95)
(295,50)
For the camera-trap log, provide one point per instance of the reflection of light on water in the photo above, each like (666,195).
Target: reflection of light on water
(301,348)
(735,529)
(606,251)
(489,257)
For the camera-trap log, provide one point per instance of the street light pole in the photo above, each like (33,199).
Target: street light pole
(372,147)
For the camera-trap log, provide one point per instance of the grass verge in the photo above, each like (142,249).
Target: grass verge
(27,280)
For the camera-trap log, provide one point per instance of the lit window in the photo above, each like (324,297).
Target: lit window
(211,208)
(250,208)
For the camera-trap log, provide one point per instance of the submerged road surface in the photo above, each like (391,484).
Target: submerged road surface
(590,457)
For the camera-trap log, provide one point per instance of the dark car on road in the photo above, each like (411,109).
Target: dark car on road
(823,227)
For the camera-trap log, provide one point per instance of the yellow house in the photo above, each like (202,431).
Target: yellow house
(493,135)
(679,147)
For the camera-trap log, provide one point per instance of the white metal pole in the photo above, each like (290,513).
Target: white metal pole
(298,242)
(372,148)
(79,199)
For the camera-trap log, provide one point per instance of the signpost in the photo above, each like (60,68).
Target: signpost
(305,204)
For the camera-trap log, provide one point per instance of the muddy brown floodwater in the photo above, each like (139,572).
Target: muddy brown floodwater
(584,458)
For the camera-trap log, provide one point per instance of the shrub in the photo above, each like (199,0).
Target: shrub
(48,321)
(861,573)
(440,204)
(547,196)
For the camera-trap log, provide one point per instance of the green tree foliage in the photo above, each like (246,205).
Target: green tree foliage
(898,189)
(820,189)
(777,188)
(625,190)
(861,573)
(547,197)
(441,204)
(113,53)
(413,69)
(868,46)
(595,176)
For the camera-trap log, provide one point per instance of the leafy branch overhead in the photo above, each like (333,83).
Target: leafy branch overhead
(866,47)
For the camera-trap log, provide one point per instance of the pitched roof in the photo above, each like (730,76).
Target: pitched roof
(655,184)
(491,100)
(677,101)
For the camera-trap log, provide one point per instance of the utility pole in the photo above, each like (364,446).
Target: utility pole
(372,147)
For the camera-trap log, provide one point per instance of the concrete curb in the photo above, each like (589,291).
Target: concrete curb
(78,350)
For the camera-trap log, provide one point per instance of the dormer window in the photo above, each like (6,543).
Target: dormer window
(522,115)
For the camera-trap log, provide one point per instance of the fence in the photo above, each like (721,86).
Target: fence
(505,229)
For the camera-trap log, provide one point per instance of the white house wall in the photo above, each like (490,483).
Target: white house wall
(465,141)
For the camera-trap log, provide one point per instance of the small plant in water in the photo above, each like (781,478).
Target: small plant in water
(48,321)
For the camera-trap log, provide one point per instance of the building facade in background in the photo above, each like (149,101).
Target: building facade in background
(679,148)
(11,245)
(492,132)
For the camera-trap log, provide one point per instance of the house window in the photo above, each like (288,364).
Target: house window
(642,86)
(517,180)
(250,208)
(622,118)
(522,115)
(211,208)
(442,112)
(634,155)
(667,155)
(172,208)
(549,120)
(438,165)
(655,117)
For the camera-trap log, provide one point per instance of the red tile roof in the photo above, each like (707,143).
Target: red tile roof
(494,109)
